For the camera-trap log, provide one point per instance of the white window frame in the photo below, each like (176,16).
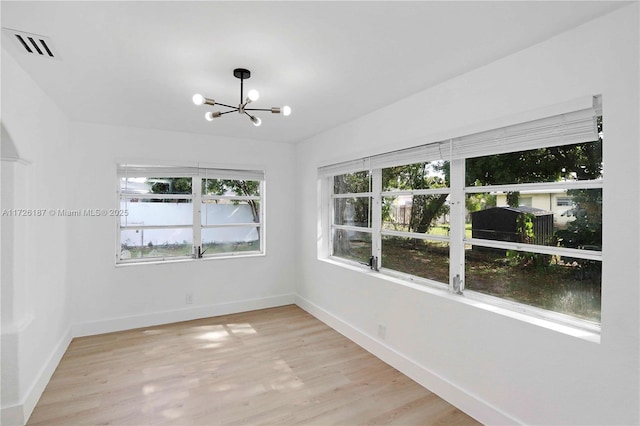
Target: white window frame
(565,129)
(197,174)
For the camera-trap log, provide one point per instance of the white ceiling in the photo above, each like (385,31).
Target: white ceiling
(139,63)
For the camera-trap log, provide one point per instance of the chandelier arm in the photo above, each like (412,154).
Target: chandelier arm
(228,106)
(227,112)
(257,109)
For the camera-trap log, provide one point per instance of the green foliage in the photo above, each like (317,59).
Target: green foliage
(586,229)
(513,198)
(424,208)
(170,186)
(358,182)
(352,183)
(524,228)
(580,161)
(231,187)
(235,187)
(476,202)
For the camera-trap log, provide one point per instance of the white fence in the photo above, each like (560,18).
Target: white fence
(181,216)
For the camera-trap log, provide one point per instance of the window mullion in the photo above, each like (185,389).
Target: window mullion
(119,223)
(196,188)
(458,210)
(376,225)
(261,229)
(327,220)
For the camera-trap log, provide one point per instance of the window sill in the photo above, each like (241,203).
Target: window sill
(520,312)
(189,259)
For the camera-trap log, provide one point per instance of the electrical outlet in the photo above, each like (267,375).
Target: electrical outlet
(382,331)
(188,299)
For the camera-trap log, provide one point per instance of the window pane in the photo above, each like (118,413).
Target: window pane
(352,211)
(352,245)
(428,175)
(148,243)
(426,259)
(352,183)
(230,187)
(555,283)
(424,214)
(156,212)
(220,212)
(155,185)
(562,218)
(569,162)
(231,239)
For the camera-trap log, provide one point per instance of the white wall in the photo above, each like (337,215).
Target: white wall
(106,297)
(59,278)
(499,368)
(35,291)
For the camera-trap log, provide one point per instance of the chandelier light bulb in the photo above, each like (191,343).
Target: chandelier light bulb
(253,95)
(256,121)
(286,110)
(198,99)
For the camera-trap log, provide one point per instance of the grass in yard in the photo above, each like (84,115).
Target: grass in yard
(425,259)
(177,250)
(565,287)
(560,285)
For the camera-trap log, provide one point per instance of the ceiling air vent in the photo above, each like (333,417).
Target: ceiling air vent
(33,44)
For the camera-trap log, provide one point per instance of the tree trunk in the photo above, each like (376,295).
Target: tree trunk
(424,210)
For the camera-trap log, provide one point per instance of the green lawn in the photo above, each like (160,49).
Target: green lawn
(560,286)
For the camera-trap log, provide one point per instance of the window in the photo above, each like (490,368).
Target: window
(415,220)
(525,202)
(188,212)
(352,219)
(476,215)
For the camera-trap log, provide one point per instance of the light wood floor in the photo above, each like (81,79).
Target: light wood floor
(277,366)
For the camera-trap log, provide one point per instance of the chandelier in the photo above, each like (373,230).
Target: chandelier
(252,96)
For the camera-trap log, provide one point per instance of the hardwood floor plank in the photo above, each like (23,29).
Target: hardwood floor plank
(275,366)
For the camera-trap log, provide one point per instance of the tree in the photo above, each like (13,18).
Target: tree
(354,211)
(577,162)
(247,188)
(350,211)
(586,229)
(424,208)
(170,186)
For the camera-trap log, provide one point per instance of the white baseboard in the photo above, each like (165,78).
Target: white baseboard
(167,317)
(19,414)
(465,401)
